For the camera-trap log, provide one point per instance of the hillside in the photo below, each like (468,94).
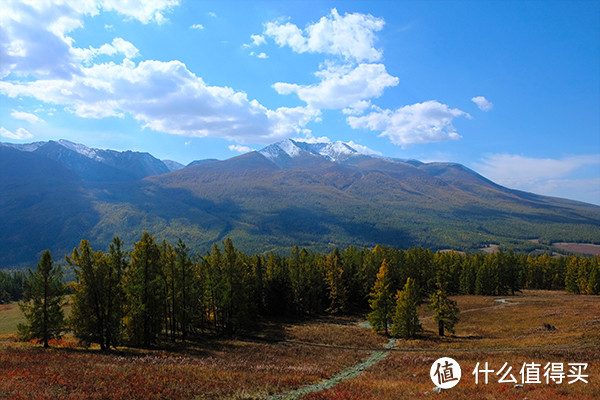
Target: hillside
(314,195)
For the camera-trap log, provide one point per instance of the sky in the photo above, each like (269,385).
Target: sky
(511,89)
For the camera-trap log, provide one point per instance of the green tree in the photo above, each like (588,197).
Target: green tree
(337,283)
(43,301)
(382,302)
(405,322)
(445,311)
(144,293)
(98,296)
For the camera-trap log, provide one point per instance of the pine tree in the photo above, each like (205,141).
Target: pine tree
(405,322)
(382,302)
(98,297)
(43,301)
(144,293)
(445,311)
(336,282)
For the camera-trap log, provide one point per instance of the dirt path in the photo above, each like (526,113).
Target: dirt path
(344,375)
(378,355)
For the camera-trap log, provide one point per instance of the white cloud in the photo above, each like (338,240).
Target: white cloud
(163,96)
(259,55)
(25,116)
(543,175)
(350,36)
(520,172)
(118,46)
(144,11)
(20,134)
(240,149)
(34,34)
(364,149)
(257,40)
(342,86)
(483,103)
(425,122)
(211,14)
(197,26)
(166,97)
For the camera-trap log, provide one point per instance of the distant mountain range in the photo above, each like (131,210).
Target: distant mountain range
(53,194)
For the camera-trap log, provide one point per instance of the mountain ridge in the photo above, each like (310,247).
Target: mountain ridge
(290,193)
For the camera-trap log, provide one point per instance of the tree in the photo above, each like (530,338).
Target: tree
(144,293)
(405,322)
(336,282)
(43,301)
(445,311)
(382,302)
(98,298)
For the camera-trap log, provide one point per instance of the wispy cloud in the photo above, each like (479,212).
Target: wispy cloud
(543,175)
(197,27)
(240,149)
(20,134)
(483,103)
(25,116)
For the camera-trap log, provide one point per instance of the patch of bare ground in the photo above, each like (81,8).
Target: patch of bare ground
(581,248)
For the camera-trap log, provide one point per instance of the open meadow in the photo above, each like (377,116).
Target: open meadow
(533,327)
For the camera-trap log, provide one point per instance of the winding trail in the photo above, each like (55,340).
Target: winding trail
(344,375)
(375,357)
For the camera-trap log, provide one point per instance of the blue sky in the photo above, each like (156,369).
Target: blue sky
(510,89)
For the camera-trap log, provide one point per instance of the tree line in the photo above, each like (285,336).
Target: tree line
(164,292)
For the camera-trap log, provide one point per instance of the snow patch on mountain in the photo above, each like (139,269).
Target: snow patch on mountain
(81,149)
(335,151)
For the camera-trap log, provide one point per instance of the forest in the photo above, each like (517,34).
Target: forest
(162,292)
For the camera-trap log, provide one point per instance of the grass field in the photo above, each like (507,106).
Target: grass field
(537,326)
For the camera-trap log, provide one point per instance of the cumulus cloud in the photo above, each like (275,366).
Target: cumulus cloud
(351,36)
(342,86)
(34,35)
(118,46)
(20,134)
(25,116)
(257,40)
(240,149)
(548,176)
(162,96)
(197,27)
(425,122)
(166,97)
(483,103)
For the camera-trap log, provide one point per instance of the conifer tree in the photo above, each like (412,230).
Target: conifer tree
(144,293)
(445,311)
(98,297)
(382,302)
(43,301)
(336,282)
(405,322)
(186,286)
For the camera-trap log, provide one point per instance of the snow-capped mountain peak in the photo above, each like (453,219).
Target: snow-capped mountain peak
(334,151)
(81,149)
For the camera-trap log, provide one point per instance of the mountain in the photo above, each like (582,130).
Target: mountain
(316,195)
(173,165)
(96,164)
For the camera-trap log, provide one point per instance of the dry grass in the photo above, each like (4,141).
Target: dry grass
(495,333)
(309,352)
